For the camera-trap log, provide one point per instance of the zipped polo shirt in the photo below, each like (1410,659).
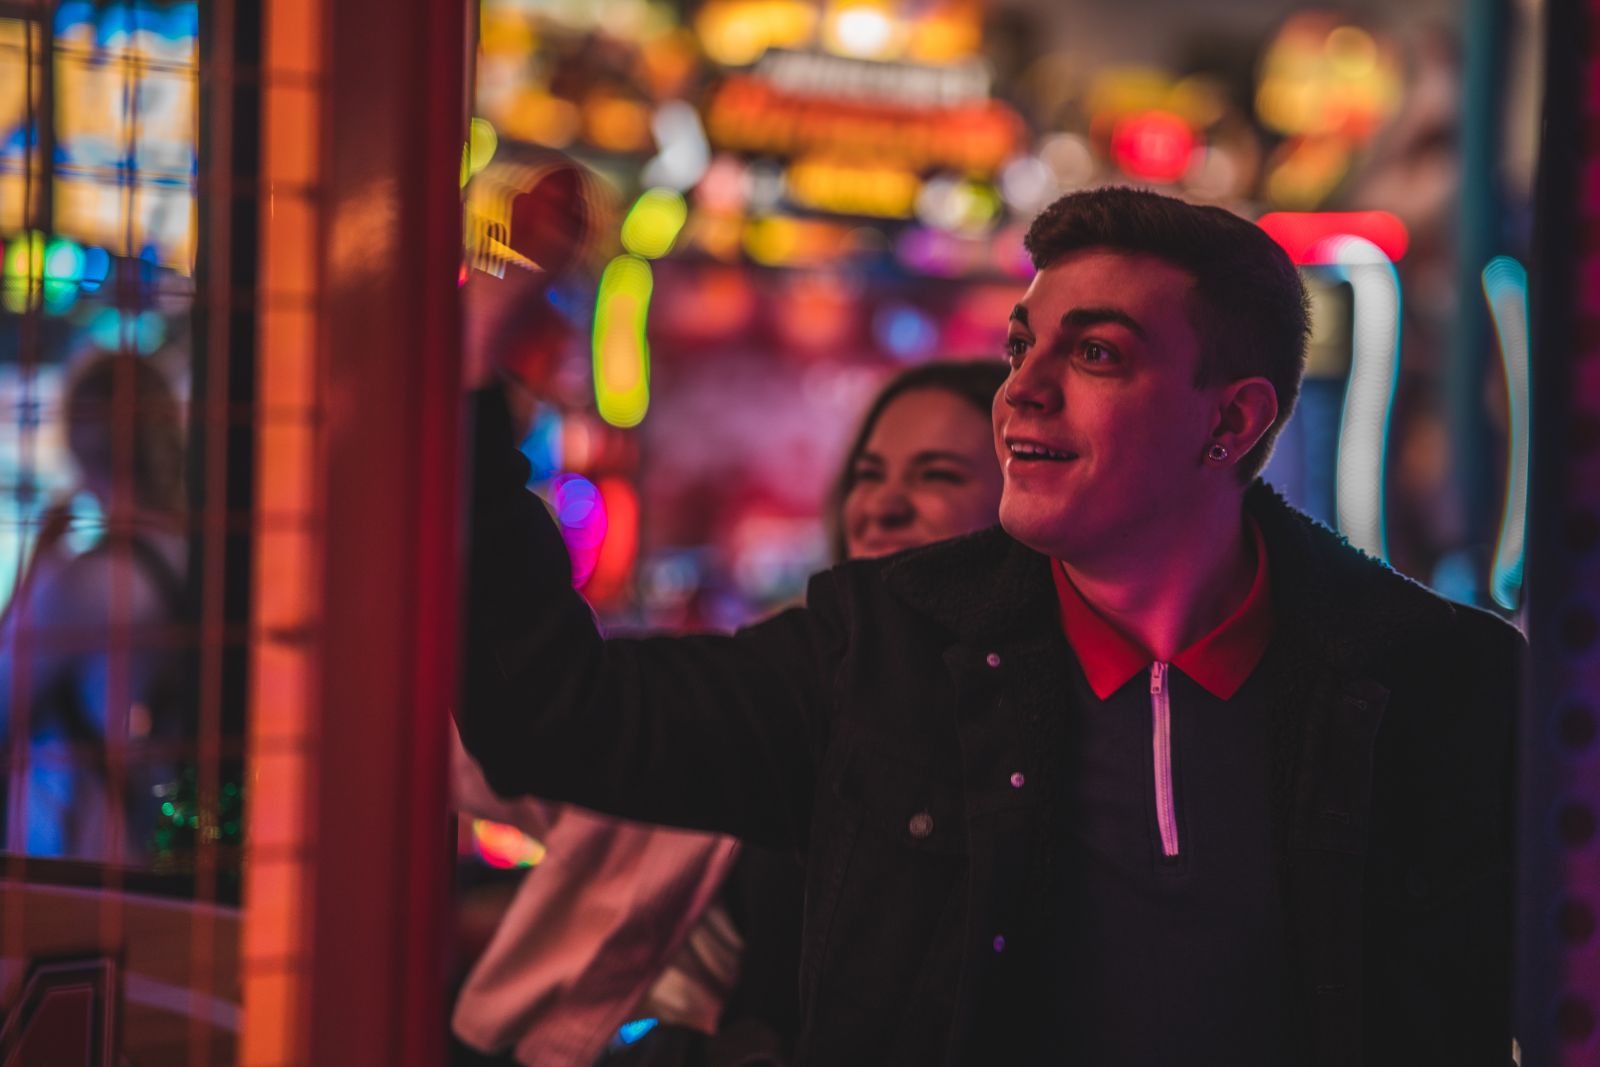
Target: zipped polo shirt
(1172,945)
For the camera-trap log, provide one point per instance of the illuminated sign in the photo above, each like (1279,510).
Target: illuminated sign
(124,123)
(906,84)
(750,114)
(736,33)
(48,272)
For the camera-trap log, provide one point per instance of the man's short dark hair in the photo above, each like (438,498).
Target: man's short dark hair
(1248,306)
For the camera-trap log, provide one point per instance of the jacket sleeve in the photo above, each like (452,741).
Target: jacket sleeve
(716,733)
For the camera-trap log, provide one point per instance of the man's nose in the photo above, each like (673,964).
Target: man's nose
(1030,385)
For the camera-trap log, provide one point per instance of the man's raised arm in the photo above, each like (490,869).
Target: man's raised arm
(708,732)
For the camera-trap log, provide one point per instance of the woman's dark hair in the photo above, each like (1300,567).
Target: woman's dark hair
(975,381)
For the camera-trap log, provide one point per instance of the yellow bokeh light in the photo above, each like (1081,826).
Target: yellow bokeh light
(852,189)
(735,33)
(621,352)
(1352,52)
(772,242)
(654,223)
(945,36)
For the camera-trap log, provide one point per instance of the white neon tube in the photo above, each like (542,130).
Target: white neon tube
(1369,394)
(1505,287)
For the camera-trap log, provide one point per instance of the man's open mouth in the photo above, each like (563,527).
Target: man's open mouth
(1029,452)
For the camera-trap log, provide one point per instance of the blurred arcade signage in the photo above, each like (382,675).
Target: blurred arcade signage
(122,127)
(860,134)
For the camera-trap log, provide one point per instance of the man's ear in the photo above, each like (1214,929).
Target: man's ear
(1246,409)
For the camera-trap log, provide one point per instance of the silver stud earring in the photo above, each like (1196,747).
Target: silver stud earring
(1216,453)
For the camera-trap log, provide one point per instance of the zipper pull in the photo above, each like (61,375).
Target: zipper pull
(1158,677)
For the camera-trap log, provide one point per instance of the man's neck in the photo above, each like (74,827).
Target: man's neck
(1168,589)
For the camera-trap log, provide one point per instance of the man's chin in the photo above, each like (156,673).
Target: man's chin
(1042,533)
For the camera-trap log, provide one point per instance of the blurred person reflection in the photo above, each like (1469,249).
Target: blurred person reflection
(692,941)
(87,680)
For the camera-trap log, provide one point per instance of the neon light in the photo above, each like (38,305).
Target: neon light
(906,332)
(654,223)
(621,353)
(861,28)
(684,154)
(620,548)
(581,511)
(504,846)
(24,270)
(1505,287)
(542,445)
(1303,233)
(41,271)
(127,331)
(748,115)
(96,265)
(851,189)
(631,1032)
(479,149)
(737,32)
(1369,395)
(1155,145)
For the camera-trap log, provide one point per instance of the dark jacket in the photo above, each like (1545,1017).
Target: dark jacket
(879,729)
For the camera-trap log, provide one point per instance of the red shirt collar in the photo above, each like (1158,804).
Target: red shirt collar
(1220,661)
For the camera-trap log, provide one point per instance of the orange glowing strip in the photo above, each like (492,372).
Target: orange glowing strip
(748,115)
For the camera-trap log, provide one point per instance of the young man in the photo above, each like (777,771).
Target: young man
(1159,771)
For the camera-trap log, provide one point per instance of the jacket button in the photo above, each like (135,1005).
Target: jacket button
(999,942)
(992,659)
(1017,780)
(921,824)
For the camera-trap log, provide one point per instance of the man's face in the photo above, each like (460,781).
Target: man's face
(1100,430)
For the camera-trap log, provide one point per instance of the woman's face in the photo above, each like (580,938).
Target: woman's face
(926,472)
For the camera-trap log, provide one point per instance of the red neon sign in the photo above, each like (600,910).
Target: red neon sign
(1302,232)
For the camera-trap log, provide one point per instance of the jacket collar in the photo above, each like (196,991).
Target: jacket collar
(1330,599)
(985,587)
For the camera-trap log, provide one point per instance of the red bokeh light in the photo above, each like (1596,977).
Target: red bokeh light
(1154,145)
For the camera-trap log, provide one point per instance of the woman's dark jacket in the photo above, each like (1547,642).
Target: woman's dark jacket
(877,730)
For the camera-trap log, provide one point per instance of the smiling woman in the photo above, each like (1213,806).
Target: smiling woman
(922,466)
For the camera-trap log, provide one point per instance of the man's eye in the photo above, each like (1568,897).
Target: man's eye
(1016,347)
(1095,352)
(865,474)
(954,477)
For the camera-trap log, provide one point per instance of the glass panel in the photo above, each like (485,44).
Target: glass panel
(102,455)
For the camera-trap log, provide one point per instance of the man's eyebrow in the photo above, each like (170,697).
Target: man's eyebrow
(1019,314)
(1080,318)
